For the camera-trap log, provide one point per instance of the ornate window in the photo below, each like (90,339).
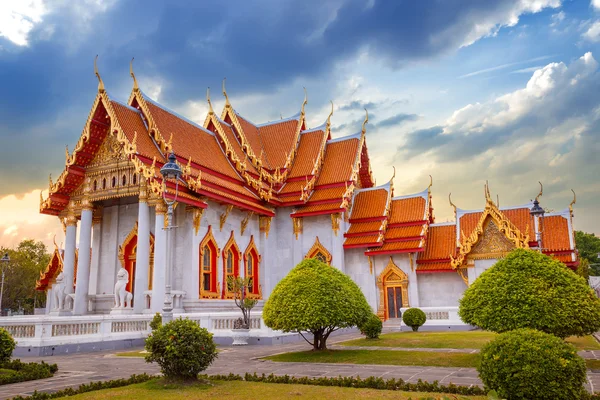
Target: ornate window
(114,181)
(135,179)
(209,253)
(393,291)
(319,252)
(252,259)
(95,185)
(231,264)
(104,183)
(124,180)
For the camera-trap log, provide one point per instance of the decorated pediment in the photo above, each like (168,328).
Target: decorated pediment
(109,151)
(492,243)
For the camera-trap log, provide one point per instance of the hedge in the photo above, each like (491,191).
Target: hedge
(26,371)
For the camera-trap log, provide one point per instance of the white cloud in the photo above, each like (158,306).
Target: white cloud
(18,18)
(558,18)
(593,32)
(596,4)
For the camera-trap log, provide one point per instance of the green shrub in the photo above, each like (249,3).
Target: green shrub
(26,371)
(7,345)
(414,317)
(156,322)
(181,348)
(531,290)
(316,298)
(528,364)
(372,327)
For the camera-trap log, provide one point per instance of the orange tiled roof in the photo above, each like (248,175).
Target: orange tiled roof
(309,148)
(362,240)
(131,122)
(407,210)
(229,198)
(310,208)
(235,144)
(328,194)
(440,243)
(192,140)
(370,203)
(252,136)
(396,246)
(520,217)
(338,162)
(226,184)
(440,266)
(404,232)
(565,258)
(292,187)
(360,227)
(555,233)
(278,141)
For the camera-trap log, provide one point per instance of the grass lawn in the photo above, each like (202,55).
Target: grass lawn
(238,390)
(389,357)
(382,357)
(451,340)
(139,353)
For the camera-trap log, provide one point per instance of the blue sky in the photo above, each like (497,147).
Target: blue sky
(502,90)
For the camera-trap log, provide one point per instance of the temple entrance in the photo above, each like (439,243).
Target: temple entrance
(128,258)
(393,291)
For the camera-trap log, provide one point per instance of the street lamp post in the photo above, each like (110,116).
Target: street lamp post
(170,170)
(5,260)
(538,212)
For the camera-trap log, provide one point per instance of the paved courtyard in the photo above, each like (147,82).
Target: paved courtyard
(76,369)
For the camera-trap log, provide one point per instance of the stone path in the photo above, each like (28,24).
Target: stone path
(76,369)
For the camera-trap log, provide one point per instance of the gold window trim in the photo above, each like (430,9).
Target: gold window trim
(316,248)
(391,276)
(230,245)
(208,238)
(247,253)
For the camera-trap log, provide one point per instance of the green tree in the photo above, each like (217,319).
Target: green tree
(588,246)
(531,290)
(315,298)
(583,269)
(27,260)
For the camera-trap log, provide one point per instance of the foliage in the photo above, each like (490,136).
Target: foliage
(528,364)
(89,387)
(588,246)
(240,288)
(372,327)
(414,317)
(583,270)
(7,345)
(316,298)
(531,290)
(356,382)
(156,321)
(26,371)
(26,263)
(181,348)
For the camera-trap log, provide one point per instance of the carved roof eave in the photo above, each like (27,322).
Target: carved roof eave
(510,231)
(129,148)
(160,140)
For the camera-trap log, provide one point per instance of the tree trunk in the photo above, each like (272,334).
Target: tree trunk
(318,338)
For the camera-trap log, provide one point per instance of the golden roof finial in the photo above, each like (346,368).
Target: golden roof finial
(135,82)
(572,202)
(365,122)
(305,102)
(394,175)
(54,240)
(537,198)
(50,184)
(486,190)
(330,114)
(227,103)
(67,153)
(452,204)
(170,143)
(430,182)
(100,83)
(210,109)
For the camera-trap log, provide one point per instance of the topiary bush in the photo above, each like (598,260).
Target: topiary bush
(528,364)
(414,317)
(181,348)
(156,322)
(7,345)
(372,327)
(531,290)
(316,298)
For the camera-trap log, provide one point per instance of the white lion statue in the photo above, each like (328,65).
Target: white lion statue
(122,296)
(58,292)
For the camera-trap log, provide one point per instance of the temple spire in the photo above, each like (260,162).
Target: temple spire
(452,204)
(572,202)
(365,122)
(329,117)
(227,103)
(537,198)
(135,82)
(304,103)
(100,83)
(210,108)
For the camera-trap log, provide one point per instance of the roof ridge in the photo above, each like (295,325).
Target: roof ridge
(465,211)
(387,187)
(449,223)
(423,194)
(292,118)
(175,114)
(316,128)
(123,104)
(341,139)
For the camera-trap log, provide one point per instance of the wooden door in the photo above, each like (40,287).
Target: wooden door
(394,301)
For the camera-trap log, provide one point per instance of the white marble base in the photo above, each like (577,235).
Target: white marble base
(60,313)
(122,311)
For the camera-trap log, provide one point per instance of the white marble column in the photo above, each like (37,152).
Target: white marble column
(96,245)
(70,245)
(142,261)
(160,258)
(80,306)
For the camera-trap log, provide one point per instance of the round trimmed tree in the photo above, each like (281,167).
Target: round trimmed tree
(528,364)
(531,290)
(318,299)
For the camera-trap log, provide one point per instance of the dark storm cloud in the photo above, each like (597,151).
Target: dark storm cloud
(189,45)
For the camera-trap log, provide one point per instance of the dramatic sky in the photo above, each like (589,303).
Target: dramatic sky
(467,91)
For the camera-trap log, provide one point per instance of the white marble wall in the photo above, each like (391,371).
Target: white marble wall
(357,267)
(480,266)
(440,289)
